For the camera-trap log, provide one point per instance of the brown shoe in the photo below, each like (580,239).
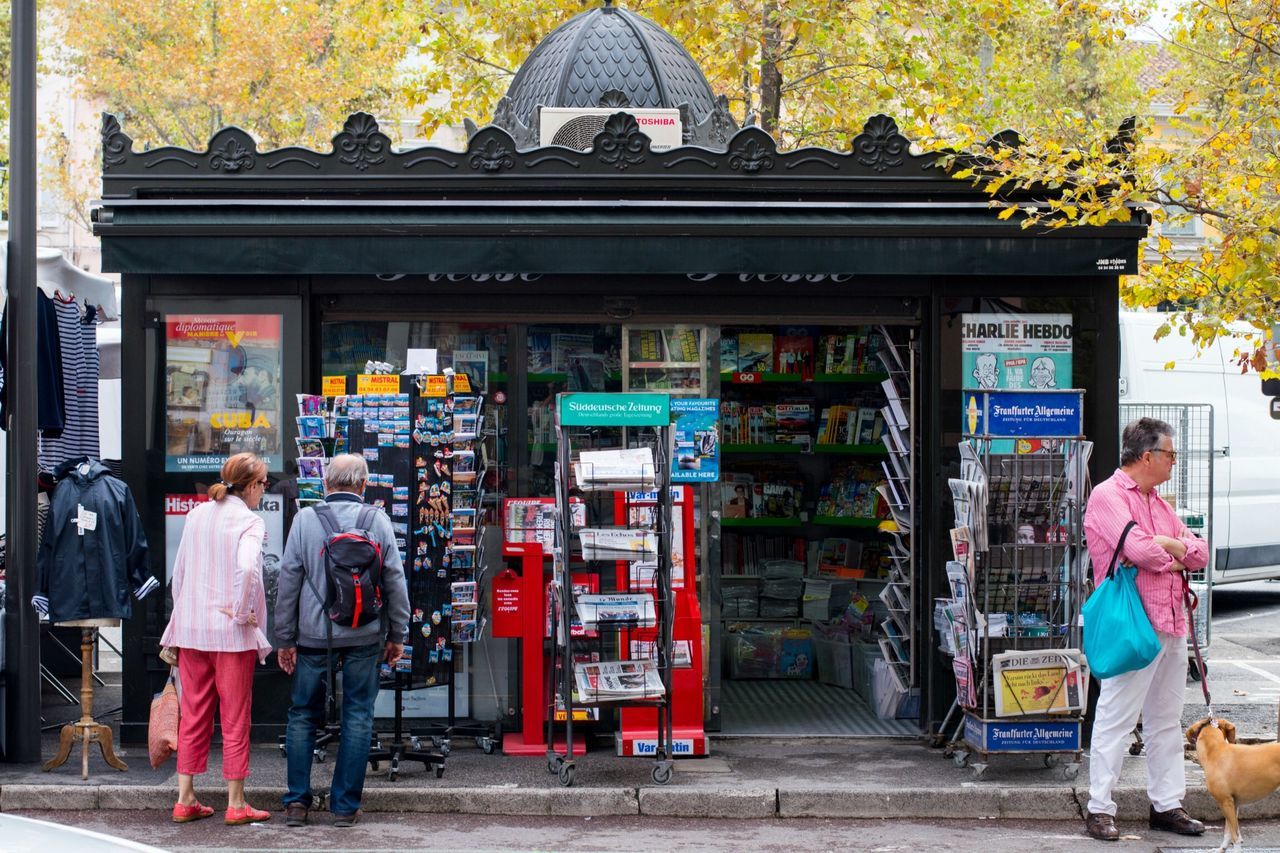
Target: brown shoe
(346,820)
(1175,820)
(295,814)
(1102,827)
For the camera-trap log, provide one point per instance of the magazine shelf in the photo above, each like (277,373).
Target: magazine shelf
(670,359)
(809,436)
(642,613)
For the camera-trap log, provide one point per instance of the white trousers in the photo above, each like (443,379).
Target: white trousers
(1156,691)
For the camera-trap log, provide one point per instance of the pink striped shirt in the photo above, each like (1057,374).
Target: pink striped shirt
(219,567)
(1114,504)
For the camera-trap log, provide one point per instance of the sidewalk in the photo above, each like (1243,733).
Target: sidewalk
(743,778)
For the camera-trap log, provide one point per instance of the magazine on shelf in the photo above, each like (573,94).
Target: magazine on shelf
(618,680)
(681,652)
(617,544)
(615,470)
(634,609)
(475,365)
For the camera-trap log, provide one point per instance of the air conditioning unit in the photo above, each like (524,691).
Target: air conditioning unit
(576,127)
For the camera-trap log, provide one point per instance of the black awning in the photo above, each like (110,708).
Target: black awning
(331,237)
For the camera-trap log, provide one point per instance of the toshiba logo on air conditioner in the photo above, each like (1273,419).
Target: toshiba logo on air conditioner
(576,127)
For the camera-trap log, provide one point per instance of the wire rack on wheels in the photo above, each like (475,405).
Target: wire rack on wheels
(605,678)
(1022,503)
(1190,490)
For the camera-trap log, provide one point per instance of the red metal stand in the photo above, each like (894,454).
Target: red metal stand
(532,737)
(639,726)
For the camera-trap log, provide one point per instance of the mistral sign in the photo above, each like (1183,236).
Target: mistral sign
(628,410)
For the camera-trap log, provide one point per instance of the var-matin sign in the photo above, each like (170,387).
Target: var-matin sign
(627,410)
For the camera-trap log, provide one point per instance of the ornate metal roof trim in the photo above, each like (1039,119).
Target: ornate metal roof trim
(879,162)
(362,151)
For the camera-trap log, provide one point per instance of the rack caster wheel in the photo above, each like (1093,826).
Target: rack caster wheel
(1050,760)
(948,753)
(486,745)
(321,756)
(283,752)
(391,776)
(1135,749)
(446,748)
(979,771)
(439,771)
(961,759)
(554,764)
(375,766)
(566,774)
(1070,771)
(661,773)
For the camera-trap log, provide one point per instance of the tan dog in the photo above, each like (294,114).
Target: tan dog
(1235,773)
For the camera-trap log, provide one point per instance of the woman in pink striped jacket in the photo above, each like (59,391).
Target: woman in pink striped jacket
(218,602)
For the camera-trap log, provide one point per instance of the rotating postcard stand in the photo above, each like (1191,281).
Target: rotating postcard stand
(1017,578)
(591,679)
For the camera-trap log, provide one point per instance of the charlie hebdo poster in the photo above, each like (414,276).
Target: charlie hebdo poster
(1024,352)
(222,389)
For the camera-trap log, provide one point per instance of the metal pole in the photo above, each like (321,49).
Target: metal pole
(22,628)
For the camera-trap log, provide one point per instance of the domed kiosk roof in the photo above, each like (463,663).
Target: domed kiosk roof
(609,57)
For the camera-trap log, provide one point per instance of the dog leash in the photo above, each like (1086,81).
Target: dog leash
(1193,601)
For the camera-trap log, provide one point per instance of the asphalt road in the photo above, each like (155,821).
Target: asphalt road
(1243,659)
(404,833)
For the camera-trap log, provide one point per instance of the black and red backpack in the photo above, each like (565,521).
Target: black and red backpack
(353,567)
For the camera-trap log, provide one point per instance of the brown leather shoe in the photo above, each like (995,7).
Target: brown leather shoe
(1176,820)
(1102,827)
(295,814)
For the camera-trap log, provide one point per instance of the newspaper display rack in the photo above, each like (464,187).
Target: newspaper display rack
(1012,623)
(603,677)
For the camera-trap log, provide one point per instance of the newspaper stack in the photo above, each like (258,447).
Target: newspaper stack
(615,470)
(617,544)
(631,609)
(614,681)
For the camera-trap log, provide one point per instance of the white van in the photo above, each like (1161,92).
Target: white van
(1246,451)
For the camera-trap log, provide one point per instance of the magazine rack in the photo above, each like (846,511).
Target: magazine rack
(1013,623)
(617,682)
(897,646)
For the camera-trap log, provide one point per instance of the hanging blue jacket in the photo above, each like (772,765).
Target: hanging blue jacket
(94,551)
(51,409)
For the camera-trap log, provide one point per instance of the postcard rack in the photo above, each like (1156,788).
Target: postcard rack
(1012,625)
(607,678)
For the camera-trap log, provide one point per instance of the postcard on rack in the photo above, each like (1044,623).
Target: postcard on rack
(310,467)
(312,447)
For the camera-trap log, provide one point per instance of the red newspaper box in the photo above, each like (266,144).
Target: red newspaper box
(506,605)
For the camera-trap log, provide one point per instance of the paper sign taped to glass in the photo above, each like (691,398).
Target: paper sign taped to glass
(1042,681)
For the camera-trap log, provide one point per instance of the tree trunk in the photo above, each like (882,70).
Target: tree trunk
(770,74)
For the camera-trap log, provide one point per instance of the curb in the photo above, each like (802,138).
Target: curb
(975,801)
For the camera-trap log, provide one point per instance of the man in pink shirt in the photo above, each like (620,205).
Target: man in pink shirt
(1162,548)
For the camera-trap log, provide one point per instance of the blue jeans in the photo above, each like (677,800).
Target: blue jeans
(359,667)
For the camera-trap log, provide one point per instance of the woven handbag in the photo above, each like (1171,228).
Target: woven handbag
(162,728)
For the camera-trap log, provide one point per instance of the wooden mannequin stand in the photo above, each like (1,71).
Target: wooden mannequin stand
(86,730)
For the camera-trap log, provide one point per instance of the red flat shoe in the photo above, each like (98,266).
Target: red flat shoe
(248,814)
(186,814)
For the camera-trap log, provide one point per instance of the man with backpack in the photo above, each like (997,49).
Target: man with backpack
(342,601)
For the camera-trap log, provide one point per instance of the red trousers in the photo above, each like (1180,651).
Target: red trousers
(222,680)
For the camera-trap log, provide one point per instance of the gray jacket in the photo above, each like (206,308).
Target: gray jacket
(300,616)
